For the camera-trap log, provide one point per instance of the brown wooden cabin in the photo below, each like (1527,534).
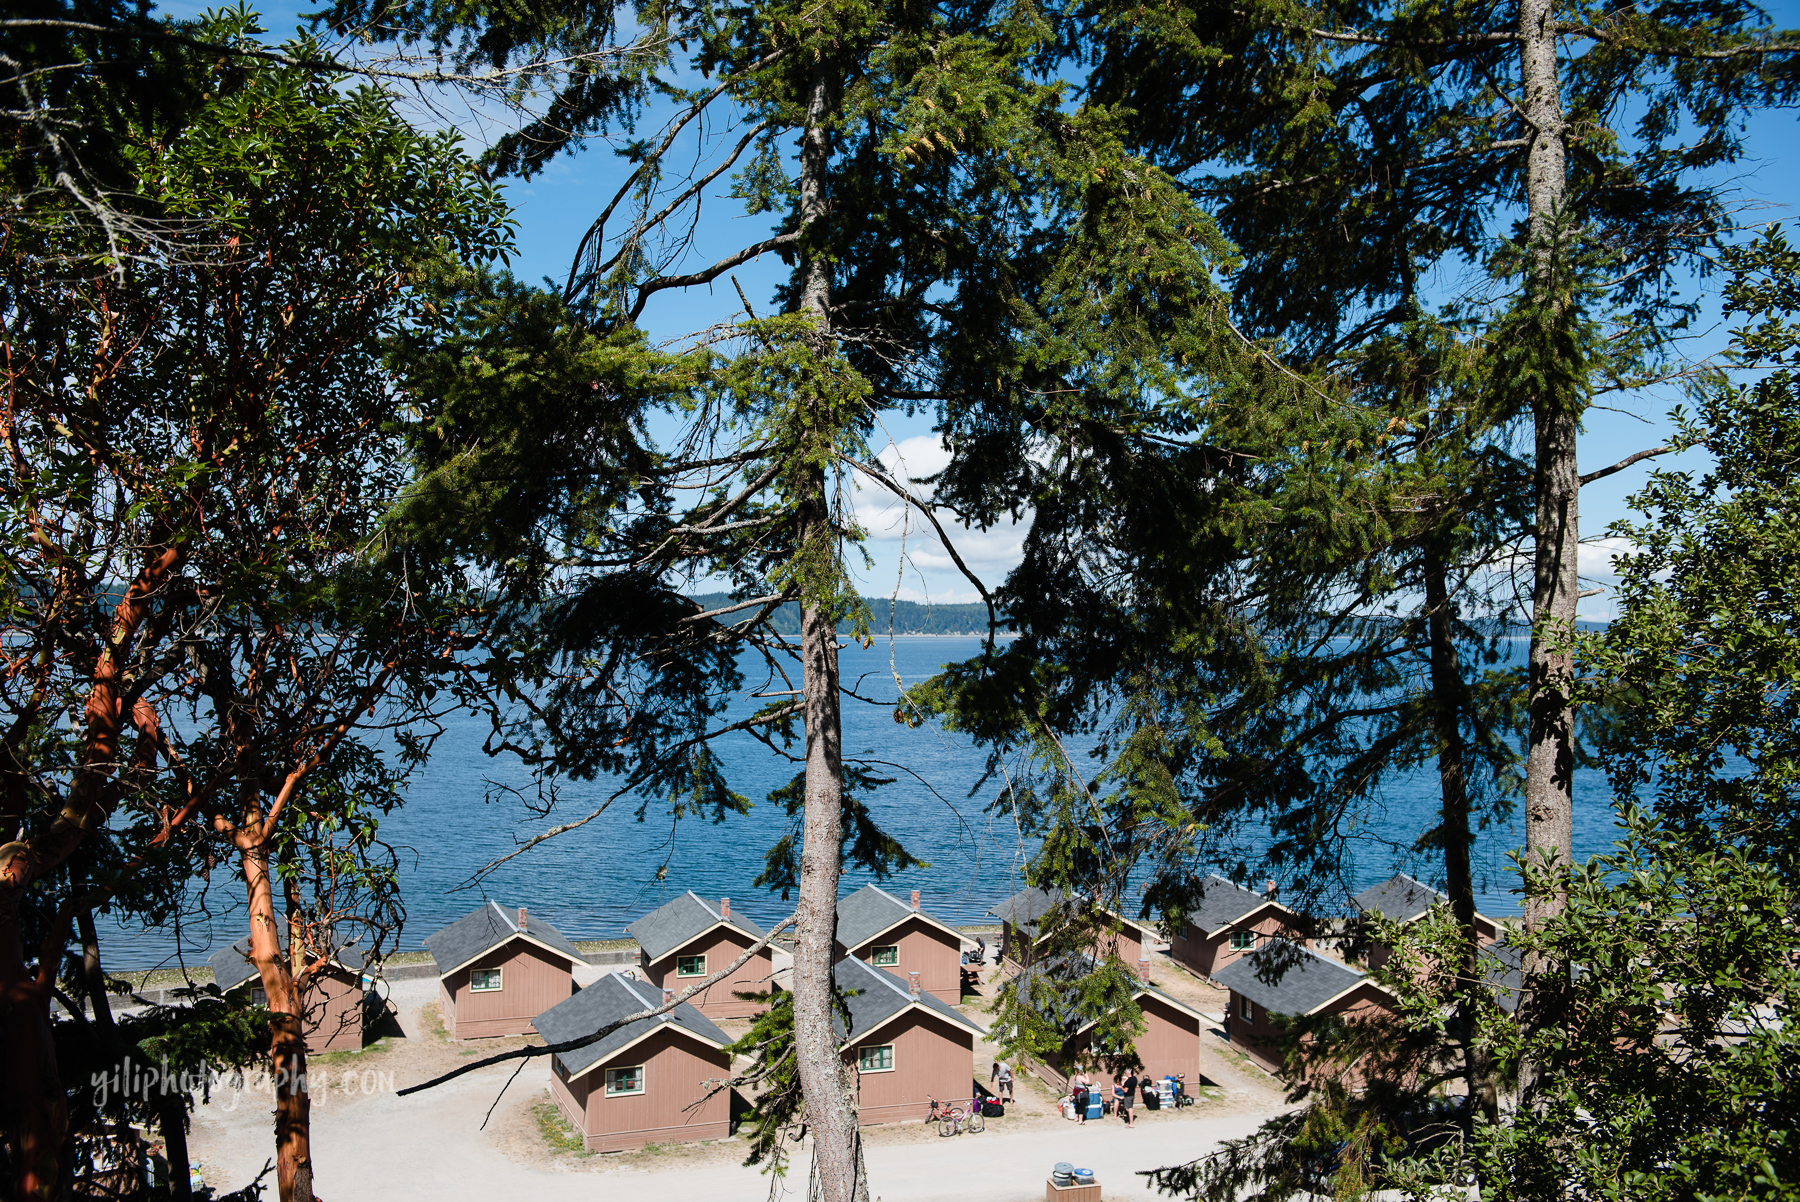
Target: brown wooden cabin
(1402,899)
(907,1048)
(1229,923)
(1170,1043)
(1301,983)
(689,939)
(332,1003)
(650,1082)
(498,969)
(879,929)
(1023,941)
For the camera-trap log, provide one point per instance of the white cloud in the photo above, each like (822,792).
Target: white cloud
(903,542)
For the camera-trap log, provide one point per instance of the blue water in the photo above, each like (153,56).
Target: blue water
(592,881)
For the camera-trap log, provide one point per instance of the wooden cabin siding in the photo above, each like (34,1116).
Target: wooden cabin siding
(1206,955)
(531,981)
(1128,944)
(1015,945)
(677,1073)
(571,1099)
(1257,1038)
(720,946)
(921,947)
(933,1058)
(1378,954)
(1170,1044)
(334,1011)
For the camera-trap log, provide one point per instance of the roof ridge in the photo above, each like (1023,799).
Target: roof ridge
(707,906)
(501,910)
(887,978)
(631,987)
(887,895)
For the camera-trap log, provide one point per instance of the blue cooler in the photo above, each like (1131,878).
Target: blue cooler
(1096,1108)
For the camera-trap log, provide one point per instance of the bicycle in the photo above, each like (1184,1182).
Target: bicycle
(954,1120)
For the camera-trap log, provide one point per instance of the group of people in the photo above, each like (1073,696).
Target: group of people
(1124,1096)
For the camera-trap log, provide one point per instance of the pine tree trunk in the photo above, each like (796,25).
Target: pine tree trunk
(1550,754)
(825,1080)
(1459,880)
(287,1040)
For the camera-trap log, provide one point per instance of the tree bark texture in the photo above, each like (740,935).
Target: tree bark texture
(826,1082)
(1550,754)
(1459,880)
(287,1040)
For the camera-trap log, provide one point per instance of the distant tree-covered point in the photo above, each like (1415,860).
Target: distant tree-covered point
(908,617)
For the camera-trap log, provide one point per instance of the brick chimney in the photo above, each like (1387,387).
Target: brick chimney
(521,918)
(1144,968)
(912,979)
(1271,889)
(724,907)
(668,996)
(915,899)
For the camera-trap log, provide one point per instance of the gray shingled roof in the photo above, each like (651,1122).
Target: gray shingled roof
(1222,903)
(878,997)
(1300,981)
(669,926)
(608,1000)
(1024,908)
(482,930)
(1400,898)
(231,966)
(870,911)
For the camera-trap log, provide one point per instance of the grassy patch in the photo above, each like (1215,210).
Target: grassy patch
(558,1132)
(432,1019)
(380,1045)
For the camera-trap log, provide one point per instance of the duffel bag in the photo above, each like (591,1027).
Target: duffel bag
(992,1110)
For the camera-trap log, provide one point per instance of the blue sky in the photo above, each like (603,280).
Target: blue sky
(554,209)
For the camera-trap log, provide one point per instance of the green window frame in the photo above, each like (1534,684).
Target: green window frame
(1243,941)
(885,957)
(624,1081)
(876,1058)
(484,980)
(690,966)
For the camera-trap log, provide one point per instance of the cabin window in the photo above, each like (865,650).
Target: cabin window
(624,1080)
(1246,1009)
(690,966)
(886,956)
(259,997)
(1243,941)
(876,1059)
(484,980)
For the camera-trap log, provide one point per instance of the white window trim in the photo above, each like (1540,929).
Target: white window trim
(875,1047)
(699,972)
(624,1093)
(877,961)
(496,987)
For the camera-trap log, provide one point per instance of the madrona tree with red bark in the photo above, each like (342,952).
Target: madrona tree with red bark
(200,617)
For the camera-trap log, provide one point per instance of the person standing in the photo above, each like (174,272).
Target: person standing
(1002,1080)
(1124,1095)
(1083,1088)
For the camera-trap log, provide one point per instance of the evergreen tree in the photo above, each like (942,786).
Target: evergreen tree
(961,237)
